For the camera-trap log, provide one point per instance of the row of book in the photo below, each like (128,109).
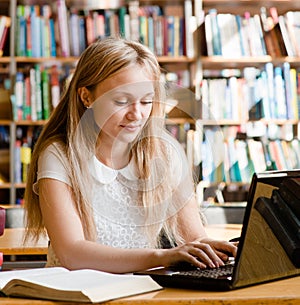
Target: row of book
(270,93)
(265,33)
(5,23)
(4,137)
(37,92)
(37,89)
(4,154)
(43,31)
(26,137)
(35,31)
(222,158)
(235,159)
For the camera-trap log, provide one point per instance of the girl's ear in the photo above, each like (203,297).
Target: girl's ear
(84,94)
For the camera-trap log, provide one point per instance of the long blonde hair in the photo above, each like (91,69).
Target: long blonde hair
(67,126)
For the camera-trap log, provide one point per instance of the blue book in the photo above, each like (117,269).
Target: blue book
(38,92)
(43,37)
(151,34)
(280,94)
(266,112)
(288,90)
(35,34)
(238,19)
(20,32)
(52,38)
(171,35)
(216,37)
(269,68)
(82,34)
(18,166)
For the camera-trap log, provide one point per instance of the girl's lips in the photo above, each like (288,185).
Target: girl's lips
(131,127)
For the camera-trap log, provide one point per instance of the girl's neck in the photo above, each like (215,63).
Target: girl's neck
(114,156)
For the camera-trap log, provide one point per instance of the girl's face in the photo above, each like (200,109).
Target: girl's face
(123,104)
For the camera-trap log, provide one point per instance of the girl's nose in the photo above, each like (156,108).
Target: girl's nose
(135,111)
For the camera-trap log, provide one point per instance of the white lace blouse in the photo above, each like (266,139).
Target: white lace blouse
(119,217)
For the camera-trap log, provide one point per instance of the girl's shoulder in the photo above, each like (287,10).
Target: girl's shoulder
(54,151)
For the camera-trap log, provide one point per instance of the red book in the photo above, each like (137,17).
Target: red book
(28,37)
(4,36)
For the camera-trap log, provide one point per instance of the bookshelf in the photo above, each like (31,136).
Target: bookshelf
(189,68)
(24,58)
(258,126)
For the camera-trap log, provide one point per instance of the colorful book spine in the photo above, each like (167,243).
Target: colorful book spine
(63,28)
(33,94)
(52,38)
(216,38)
(74,30)
(38,92)
(189,28)
(27,99)
(19,95)
(20,31)
(55,89)
(25,156)
(3,38)
(35,33)
(17,160)
(28,32)
(45,94)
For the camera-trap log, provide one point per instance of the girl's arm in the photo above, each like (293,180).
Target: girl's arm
(192,230)
(74,252)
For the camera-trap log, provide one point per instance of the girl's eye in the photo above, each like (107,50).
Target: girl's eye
(147,101)
(121,102)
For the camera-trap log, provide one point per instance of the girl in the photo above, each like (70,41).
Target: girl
(106,180)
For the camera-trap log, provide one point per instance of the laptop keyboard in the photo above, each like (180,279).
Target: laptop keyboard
(213,273)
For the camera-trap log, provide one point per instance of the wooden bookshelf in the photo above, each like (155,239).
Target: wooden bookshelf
(13,63)
(197,66)
(228,66)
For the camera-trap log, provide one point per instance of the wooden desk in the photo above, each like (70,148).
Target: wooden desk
(279,292)
(11,243)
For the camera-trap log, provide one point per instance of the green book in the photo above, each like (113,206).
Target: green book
(45,94)
(38,92)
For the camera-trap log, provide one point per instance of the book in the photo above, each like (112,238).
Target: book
(38,92)
(293,30)
(85,285)
(33,94)
(28,31)
(25,157)
(54,86)
(19,94)
(27,99)
(36,50)
(257,156)
(288,240)
(63,28)
(190,21)
(20,31)
(215,30)
(281,111)
(290,49)
(4,35)
(45,94)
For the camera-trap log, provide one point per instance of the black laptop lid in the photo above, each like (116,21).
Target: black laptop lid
(270,244)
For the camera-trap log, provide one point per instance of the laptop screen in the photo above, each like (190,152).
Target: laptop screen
(270,244)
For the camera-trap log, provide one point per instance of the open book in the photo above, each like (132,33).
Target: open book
(84,285)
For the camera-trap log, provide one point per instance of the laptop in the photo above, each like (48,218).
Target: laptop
(269,245)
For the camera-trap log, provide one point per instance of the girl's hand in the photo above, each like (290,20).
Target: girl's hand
(202,254)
